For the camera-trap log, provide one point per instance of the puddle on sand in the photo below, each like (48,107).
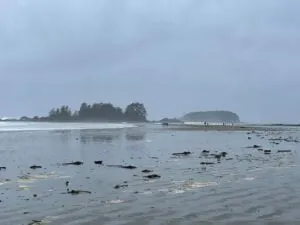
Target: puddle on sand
(177,191)
(36,177)
(118,201)
(190,185)
(24,187)
(40,222)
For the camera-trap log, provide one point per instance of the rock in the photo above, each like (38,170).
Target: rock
(229,159)
(35,222)
(218,156)
(254,146)
(67,183)
(76,163)
(129,167)
(98,162)
(260,149)
(2,168)
(35,195)
(152,176)
(165,124)
(249,138)
(123,167)
(25,213)
(284,151)
(147,171)
(267,152)
(182,153)
(207,163)
(224,154)
(76,192)
(120,186)
(205,151)
(35,167)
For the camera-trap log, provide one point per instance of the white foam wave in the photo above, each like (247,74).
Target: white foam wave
(45,126)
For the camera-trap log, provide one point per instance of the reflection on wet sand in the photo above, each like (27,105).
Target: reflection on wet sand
(135,136)
(99,136)
(110,136)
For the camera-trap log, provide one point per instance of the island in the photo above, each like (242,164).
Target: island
(211,117)
(96,112)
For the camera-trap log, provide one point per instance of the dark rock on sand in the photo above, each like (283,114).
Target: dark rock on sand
(77,192)
(207,163)
(2,168)
(35,195)
(205,151)
(98,162)
(120,186)
(254,146)
(35,222)
(267,152)
(67,183)
(33,167)
(224,154)
(249,138)
(152,176)
(76,163)
(123,167)
(284,151)
(218,156)
(182,153)
(147,171)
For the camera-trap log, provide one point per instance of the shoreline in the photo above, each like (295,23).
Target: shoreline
(173,126)
(189,127)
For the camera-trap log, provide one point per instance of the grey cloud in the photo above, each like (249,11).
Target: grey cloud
(176,56)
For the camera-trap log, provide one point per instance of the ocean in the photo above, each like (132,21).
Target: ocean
(245,186)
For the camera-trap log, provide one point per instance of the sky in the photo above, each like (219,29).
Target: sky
(175,56)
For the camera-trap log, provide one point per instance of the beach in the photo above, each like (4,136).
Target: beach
(195,182)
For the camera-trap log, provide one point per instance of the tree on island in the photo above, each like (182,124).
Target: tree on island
(96,112)
(63,113)
(100,111)
(136,112)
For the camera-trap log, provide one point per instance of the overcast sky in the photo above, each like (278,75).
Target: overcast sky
(175,56)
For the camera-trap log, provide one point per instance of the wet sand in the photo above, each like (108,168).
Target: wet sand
(187,127)
(246,185)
